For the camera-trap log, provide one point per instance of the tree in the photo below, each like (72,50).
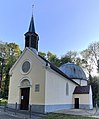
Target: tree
(42,54)
(91,55)
(72,57)
(86,61)
(90,61)
(9,53)
(53,59)
(65,59)
(95,89)
(94,52)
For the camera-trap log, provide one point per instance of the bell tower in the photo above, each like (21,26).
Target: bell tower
(31,38)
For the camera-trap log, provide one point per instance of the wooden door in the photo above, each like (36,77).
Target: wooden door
(76,103)
(24,98)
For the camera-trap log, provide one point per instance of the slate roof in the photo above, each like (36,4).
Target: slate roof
(82,90)
(32,27)
(57,69)
(73,71)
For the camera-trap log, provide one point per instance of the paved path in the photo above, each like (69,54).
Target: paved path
(88,113)
(23,115)
(12,115)
(7,116)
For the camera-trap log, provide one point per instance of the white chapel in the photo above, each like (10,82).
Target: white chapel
(35,81)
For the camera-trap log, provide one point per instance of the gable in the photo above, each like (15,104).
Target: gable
(28,55)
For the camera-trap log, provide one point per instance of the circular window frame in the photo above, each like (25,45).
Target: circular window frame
(29,68)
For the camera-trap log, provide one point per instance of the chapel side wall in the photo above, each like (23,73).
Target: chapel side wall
(81,82)
(55,93)
(77,81)
(83,98)
(84,101)
(35,76)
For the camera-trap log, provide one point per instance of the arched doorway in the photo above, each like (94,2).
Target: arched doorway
(25,92)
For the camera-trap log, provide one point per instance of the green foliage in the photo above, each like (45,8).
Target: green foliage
(42,54)
(94,82)
(70,56)
(9,53)
(3,102)
(87,59)
(65,59)
(53,59)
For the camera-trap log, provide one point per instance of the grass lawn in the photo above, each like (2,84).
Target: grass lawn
(63,116)
(3,102)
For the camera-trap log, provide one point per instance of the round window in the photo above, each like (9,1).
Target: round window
(26,66)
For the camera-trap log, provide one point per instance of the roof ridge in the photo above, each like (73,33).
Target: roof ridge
(57,70)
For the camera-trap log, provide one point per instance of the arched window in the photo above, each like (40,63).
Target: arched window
(67,89)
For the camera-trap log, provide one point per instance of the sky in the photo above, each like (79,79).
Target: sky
(62,25)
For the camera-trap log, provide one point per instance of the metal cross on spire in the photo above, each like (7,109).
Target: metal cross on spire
(32,27)
(32,8)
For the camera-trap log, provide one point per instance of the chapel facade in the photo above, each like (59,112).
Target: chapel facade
(37,82)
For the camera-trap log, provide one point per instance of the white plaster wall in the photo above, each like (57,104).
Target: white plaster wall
(36,76)
(90,96)
(14,91)
(55,92)
(83,98)
(81,82)
(77,81)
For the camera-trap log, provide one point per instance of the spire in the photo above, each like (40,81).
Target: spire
(32,27)
(31,37)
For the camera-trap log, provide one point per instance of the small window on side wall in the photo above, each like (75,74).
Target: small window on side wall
(67,89)
(37,87)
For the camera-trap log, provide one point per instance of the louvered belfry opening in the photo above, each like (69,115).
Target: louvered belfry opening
(31,38)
